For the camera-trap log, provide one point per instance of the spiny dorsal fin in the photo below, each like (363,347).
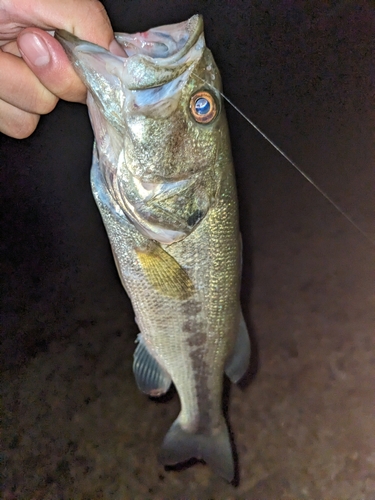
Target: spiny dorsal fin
(164,273)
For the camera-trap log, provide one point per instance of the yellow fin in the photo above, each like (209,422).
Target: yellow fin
(165,273)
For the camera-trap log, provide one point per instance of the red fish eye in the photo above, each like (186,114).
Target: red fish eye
(203,107)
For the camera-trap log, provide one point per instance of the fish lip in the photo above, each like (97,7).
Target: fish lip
(73,46)
(71,42)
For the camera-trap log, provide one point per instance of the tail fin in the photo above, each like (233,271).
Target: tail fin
(215,449)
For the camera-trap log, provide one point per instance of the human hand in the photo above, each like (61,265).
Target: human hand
(34,69)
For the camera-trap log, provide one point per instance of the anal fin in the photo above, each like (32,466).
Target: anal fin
(151,377)
(237,364)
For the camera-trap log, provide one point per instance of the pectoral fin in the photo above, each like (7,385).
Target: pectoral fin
(238,362)
(150,376)
(164,273)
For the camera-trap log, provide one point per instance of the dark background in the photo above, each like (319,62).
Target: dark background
(304,72)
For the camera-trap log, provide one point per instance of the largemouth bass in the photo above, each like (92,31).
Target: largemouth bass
(163,180)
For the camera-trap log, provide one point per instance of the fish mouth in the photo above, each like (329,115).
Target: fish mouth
(151,59)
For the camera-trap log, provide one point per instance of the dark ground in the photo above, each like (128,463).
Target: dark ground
(75,426)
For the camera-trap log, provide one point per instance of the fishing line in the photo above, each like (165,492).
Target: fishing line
(367,236)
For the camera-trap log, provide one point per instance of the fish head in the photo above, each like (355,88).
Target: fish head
(159,124)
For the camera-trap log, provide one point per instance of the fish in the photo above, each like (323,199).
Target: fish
(163,179)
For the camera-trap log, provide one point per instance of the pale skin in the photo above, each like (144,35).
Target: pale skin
(34,70)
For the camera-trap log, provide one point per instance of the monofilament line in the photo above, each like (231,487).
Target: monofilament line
(294,164)
(308,178)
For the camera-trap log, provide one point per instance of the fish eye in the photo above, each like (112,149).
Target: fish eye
(203,107)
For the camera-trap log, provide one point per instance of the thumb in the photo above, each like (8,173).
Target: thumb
(48,61)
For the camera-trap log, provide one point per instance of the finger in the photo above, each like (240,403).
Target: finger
(87,19)
(15,122)
(48,61)
(21,88)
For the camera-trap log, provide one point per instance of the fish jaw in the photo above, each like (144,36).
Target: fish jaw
(101,72)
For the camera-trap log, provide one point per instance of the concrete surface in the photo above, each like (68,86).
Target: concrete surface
(75,426)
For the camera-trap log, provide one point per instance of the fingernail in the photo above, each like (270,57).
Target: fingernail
(33,48)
